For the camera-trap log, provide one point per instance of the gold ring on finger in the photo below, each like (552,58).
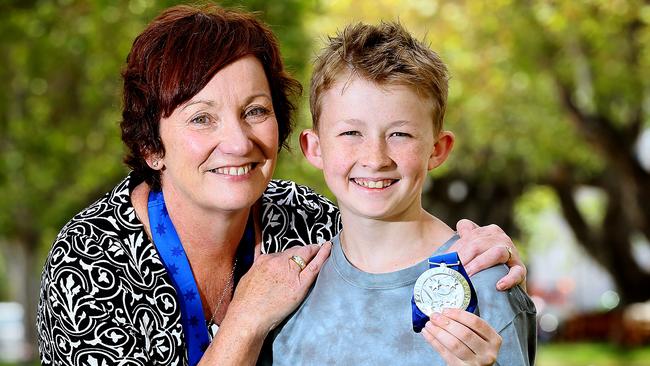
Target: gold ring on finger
(509,249)
(299,261)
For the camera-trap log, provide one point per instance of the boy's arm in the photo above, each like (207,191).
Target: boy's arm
(486,246)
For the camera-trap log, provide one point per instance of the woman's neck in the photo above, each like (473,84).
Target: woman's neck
(377,246)
(205,234)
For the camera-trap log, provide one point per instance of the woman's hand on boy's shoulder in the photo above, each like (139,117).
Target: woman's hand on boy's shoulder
(481,247)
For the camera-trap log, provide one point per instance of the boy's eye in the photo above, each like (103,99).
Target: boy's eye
(350,133)
(400,134)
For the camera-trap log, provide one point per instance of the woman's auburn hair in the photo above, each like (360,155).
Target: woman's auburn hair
(176,56)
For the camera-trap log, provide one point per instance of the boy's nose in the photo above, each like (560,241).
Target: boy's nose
(234,138)
(375,155)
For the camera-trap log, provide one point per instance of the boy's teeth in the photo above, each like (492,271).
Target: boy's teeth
(374,184)
(241,170)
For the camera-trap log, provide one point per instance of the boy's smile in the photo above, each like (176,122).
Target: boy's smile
(374,183)
(375,144)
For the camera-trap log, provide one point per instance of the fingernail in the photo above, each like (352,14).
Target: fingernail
(501,285)
(435,316)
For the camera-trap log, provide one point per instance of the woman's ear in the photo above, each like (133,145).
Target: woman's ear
(441,149)
(154,161)
(310,146)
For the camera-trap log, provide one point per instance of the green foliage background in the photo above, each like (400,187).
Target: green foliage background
(510,62)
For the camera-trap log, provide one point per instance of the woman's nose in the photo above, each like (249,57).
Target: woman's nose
(235,139)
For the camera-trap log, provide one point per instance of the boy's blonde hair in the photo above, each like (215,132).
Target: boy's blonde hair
(384,54)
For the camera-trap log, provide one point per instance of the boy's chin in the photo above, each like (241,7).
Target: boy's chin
(375,213)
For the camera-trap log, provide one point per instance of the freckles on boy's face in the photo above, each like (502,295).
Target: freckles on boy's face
(376,143)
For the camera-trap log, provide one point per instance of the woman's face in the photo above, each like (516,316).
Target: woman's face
(221,146)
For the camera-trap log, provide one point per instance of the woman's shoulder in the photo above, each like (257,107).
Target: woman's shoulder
(106,228)
(111,214)
(293,214)
(288,193)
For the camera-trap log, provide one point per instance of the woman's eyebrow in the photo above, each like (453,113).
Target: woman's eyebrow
(209,103)
(258,95)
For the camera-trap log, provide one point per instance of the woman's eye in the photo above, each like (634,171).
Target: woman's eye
(256,112)
(201,119)
(350,133)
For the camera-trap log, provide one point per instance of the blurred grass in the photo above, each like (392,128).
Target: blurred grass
(591,354)
(563,354)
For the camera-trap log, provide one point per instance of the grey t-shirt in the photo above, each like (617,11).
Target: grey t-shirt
(351,317)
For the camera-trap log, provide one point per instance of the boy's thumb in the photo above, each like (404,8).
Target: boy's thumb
(464,226)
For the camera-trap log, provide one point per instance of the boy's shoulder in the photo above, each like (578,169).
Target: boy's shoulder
(499,308)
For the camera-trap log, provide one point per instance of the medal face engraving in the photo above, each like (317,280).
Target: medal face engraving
(439,288)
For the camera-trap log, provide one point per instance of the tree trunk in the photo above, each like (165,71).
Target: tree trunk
(609,244)
(23,270)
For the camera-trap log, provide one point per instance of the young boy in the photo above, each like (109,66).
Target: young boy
(378,99)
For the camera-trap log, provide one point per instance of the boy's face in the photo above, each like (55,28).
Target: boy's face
(375,144)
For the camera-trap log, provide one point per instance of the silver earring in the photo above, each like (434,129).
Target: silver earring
(155,164)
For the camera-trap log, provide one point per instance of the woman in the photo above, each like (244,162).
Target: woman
(147,274)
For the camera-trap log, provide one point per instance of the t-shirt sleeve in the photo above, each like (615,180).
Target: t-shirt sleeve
(511,313)
(296,215)
(519,344)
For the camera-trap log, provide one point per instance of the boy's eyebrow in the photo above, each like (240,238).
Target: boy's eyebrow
(399,123)
(355,121)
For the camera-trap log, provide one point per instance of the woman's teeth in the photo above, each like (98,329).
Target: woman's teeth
(234,170)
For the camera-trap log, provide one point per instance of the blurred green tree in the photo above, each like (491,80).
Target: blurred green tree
(554,95)
(59,112)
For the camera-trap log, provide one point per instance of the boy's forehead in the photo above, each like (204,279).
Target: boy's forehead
(346,78)
(358,101)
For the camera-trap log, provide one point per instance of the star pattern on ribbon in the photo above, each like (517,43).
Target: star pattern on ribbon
(177,251)
(160,229)
(189,295)
(194,321)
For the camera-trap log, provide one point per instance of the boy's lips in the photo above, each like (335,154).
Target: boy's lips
(374,183)
(234,170)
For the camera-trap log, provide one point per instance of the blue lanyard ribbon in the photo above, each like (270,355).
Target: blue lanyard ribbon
(175,260)
(453,262)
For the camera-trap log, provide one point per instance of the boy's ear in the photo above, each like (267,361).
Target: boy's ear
(441,149)
(310,146)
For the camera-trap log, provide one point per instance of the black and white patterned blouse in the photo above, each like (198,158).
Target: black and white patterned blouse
(106,298)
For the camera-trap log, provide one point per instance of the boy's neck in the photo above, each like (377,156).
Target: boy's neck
(376,246)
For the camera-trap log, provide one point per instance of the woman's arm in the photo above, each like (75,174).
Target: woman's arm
(270,290)
(486,246)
